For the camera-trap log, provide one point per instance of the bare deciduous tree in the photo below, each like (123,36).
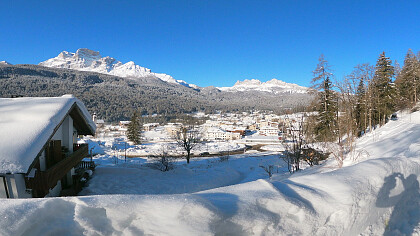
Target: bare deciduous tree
(294,143)
(188,138)
(163,161)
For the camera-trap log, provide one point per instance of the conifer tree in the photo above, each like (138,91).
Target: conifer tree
(408,80)
(133,129)
(383,89)
(326,127)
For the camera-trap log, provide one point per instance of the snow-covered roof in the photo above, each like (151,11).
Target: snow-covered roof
(268,128)
(215,130)
(100,122)
(261,137)
(27,123)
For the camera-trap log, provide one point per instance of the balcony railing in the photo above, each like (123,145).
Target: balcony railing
(45,180)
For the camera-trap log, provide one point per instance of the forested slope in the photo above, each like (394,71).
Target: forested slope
(114,98)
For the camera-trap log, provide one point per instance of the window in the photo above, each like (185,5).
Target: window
(3,188)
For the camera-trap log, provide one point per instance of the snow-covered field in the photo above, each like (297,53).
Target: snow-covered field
(376,192)
(118,146)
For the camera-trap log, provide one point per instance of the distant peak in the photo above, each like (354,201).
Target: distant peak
(65,54)
(5,63)
(274,86)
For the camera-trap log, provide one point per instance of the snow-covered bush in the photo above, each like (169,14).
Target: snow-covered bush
(268,169)
(163,161)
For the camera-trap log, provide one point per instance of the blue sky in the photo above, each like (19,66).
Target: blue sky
(214,42)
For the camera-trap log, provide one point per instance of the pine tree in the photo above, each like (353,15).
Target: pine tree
(326,128)
(383,89)
(133,129)
(408,81)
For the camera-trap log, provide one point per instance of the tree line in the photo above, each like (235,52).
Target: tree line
(345,109)
(364,99)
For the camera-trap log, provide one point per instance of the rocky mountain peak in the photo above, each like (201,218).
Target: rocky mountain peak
(89,60)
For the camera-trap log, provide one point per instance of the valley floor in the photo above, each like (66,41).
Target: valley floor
(376,192)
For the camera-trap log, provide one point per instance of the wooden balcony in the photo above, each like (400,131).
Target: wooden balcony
(45,180)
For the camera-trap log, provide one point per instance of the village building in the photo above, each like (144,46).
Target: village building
(214,133)
(124,123)
(269,131)
(173,128)
(150,126)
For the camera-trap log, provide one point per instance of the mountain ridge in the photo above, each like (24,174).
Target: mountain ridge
(89,60)
(274,86)
(85,59)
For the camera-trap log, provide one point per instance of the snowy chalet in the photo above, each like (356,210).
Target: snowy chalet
(38,152)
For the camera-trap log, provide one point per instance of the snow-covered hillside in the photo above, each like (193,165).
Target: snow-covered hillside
(272,86)
(376,192)
(88,60)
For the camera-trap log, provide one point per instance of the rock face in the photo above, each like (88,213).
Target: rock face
(273,86)
(88,60)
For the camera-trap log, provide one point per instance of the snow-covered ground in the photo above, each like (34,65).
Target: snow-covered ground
(137,177)
(119,146)
(376,192)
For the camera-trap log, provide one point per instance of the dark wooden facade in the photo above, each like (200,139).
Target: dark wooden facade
(58,165)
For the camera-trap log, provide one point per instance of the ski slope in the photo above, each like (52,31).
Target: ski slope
(376,192)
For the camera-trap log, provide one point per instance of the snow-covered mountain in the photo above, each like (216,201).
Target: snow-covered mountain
(88,60)
(272,86)
(4,63)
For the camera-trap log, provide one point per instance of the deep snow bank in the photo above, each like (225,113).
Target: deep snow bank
(348,201)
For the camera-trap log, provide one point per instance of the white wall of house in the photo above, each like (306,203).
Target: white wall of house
(68,133)
(65,133)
